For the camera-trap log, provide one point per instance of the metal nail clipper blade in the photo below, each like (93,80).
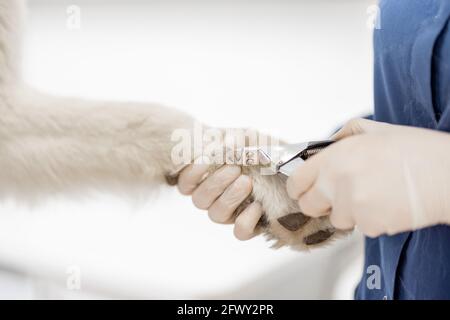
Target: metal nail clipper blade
(283,159)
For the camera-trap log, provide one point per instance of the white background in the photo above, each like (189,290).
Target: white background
(295,69)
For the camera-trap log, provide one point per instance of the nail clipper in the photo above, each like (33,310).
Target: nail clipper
(282,159)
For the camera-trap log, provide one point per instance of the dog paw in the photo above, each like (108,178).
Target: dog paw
(282,221)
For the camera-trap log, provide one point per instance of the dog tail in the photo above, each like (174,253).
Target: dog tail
(11,26)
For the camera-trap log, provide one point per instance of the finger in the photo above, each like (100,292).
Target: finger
(341,216)
(341,221)
(358,126)
(210,189)
(191,176)
(371,231)
(314,202)
(304,176)
(223,208)
(245,225)
(368,222)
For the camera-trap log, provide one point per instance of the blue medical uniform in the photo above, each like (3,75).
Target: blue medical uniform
(412,87)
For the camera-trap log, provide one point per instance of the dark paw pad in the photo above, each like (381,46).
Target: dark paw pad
(318,237)
(294,221)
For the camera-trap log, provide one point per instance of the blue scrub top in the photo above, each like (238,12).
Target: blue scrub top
(412,87)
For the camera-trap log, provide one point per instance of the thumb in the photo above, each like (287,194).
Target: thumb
(358,126)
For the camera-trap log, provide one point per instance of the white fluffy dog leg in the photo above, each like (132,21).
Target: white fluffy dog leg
(11,25)
(52,144)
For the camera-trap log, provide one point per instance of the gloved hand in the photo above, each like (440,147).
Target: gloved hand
(221,193)
(381,178)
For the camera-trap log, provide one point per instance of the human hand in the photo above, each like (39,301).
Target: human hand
(223,193)
(244,195)
(381,178)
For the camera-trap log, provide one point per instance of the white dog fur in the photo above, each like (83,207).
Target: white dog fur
(51,145)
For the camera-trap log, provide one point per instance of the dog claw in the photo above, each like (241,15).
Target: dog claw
(171,179)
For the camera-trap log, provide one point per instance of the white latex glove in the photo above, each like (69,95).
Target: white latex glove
(221,193)
(381,178)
